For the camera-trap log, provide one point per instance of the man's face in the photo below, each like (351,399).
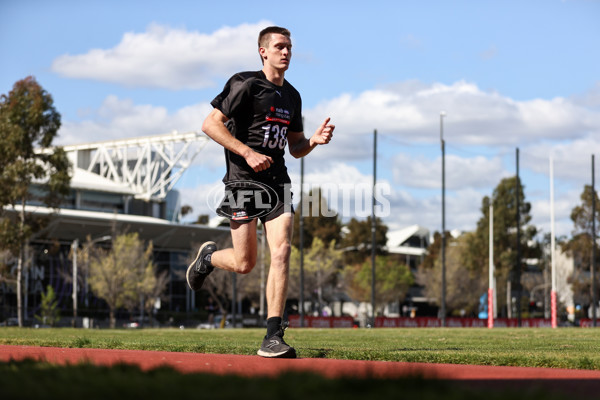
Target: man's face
(278,53)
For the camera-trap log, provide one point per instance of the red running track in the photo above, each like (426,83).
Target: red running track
(568,380)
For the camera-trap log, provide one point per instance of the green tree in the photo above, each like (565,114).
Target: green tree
(49,311)
(185,210)
(434,249)
(319,220)
(476,253)
(464,286)
(150,284)
(580,245)
(6,260)
(28,125)
(322,263)
(392,281)
(357,239)
(123,276)
(153,289)
(202,219)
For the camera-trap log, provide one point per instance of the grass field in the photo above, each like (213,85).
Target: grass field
(574,348)
(559,348)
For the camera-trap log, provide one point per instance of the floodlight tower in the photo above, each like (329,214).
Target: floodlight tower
(552,249)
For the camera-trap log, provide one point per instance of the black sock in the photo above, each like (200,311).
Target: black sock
(273,326)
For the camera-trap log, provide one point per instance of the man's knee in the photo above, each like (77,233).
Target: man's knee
(246,264)
(281,253)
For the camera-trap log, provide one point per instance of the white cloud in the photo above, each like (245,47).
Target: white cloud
(335,172)
(590,98)
(572,159)
(168,58)
(120,118)
(410,111)
(420,172)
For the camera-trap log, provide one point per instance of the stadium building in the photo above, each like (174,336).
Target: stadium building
(117,187)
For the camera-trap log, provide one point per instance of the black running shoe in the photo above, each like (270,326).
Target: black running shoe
(198,269)
(276,347)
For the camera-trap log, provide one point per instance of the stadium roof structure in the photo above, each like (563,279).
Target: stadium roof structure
(68,225)
(146,167)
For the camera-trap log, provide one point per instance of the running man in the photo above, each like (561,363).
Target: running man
(255,116)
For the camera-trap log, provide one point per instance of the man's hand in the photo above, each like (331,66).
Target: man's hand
(214,127)
(323,134)
(258,162)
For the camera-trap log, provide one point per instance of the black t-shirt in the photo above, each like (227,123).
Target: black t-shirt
(261,113)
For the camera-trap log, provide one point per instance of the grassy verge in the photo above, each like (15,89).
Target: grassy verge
(30,380)
(559,348)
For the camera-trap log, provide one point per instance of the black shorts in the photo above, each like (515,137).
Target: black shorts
(245,201)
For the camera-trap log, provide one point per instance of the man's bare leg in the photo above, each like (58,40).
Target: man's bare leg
(279,236)
(242,257)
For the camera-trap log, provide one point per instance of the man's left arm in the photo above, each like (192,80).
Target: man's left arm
(300,146)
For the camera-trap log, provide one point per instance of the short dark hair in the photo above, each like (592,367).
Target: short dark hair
(265,35)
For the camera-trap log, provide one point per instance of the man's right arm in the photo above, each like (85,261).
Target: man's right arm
(214,127)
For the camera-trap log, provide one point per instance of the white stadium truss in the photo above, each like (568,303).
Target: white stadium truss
(148,166)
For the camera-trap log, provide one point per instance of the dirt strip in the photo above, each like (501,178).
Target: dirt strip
(571,381)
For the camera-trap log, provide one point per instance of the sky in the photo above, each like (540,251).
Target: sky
(508,74)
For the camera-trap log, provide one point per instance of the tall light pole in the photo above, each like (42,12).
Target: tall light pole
(552,249)
(373,229)
(593,263)
(491,268)
(519,265)
(443,144)
(301,228)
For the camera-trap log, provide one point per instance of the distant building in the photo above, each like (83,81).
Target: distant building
(409,245)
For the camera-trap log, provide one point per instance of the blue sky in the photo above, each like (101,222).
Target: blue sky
(508,74)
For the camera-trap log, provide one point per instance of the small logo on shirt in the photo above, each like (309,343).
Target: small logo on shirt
(278,114)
